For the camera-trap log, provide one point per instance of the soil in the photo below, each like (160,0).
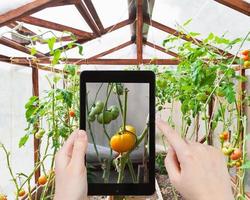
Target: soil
(167,190)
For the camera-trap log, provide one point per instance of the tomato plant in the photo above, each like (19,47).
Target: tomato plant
(204,85)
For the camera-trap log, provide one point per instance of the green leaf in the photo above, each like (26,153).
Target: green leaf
(31,101)
(71,69)
(221,40)
(187,22)
(230,93)
(51,42)
(23,140)
(241,78)
(56,57)
(70,45)
(80,50)
(33,51)
(193,34)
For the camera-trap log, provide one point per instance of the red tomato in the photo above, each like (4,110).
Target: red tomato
(72,113)
(236,154)
(245,57)
(245,52)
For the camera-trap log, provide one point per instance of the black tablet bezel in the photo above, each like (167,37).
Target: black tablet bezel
(128,77)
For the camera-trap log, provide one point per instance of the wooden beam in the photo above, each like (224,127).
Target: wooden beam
(239,5)
(25,10)
(55,26)
(12,44)
(35,88)
(182,35)
(94,14)
(106,30)
(22,30)
(162,49)
(139,26)
(112,50)
(87,17)
(118,25)
(23,61)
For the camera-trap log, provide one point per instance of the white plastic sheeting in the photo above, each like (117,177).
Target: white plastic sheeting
(6,6)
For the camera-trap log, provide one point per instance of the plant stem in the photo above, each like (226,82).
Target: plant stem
(119,100)
(131,170)
(124,157)
(91,132)
(125,109)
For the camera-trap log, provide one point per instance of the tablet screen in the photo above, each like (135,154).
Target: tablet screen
(117,125)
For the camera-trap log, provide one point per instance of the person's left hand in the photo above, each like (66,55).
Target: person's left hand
(71,173)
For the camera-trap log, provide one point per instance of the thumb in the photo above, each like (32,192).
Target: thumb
(79,149)
(172,165)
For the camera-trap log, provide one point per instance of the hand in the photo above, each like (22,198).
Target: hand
(197,171)
(71,173)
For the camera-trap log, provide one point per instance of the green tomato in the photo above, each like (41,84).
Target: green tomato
(201,97)
(105,118)
(118,89)
(98,107)
(114,111)
(91,117)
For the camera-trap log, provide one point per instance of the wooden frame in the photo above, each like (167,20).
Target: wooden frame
(238,5)
(90,15)
(139,34)
(85,14)
(25,10)
(54,26)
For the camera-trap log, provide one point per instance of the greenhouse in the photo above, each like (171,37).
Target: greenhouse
(198,50)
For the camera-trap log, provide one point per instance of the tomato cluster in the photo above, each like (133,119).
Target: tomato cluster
(245,56)
(103,116)
(124,140)
(235,154)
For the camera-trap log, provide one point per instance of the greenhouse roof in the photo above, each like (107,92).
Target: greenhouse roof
(108,29)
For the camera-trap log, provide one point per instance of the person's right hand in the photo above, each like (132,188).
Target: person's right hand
(197,171)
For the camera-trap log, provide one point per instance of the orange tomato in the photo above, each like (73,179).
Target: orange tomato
(245,52)
(123,141)
(236,154)
(72,113)
(245,57)
(224,135)
(21,193)
(238,163)
(129,128)
(42,180)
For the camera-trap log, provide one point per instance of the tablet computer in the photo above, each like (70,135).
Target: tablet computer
(117,110)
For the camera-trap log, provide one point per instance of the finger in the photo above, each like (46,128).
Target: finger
(63,156)
(172,137)
(79,149)
(172,165)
